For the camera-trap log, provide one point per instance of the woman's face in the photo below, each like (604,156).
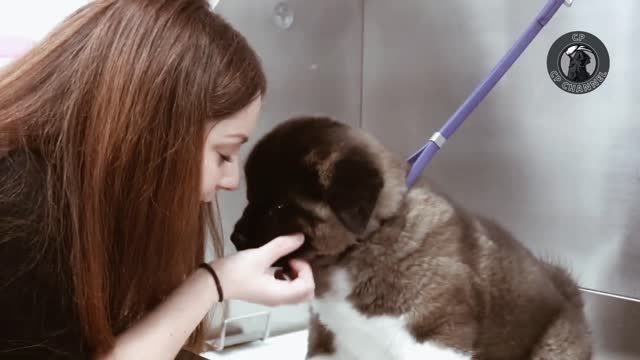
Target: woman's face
(220,164)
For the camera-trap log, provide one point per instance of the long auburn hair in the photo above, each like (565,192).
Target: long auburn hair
(115,101)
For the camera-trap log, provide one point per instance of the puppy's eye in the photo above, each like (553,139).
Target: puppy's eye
(276,208)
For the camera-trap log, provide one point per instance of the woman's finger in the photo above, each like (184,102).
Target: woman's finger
(279,247)
(302,269)
(295,291)
(302,286)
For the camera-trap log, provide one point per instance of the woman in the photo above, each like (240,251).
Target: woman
(115,134)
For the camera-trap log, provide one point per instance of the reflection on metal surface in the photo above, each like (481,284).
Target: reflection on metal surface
(283,15)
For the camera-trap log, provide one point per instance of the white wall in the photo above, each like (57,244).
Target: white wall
(26,21)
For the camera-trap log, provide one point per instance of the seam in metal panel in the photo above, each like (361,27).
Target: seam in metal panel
(361,120)
(610,295)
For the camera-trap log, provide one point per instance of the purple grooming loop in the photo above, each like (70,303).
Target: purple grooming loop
(421,158)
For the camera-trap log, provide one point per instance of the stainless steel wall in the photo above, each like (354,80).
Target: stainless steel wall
(561,171)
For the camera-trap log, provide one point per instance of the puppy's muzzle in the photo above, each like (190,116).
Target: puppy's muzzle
(240,241)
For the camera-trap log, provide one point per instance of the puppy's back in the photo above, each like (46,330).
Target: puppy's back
(533,303)
(525,307)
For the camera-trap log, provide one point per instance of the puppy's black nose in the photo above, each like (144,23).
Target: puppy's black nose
(239,240)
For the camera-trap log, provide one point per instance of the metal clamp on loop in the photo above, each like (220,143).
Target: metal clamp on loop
(568,3)
(438,139)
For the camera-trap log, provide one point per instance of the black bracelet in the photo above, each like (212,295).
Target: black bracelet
(215,278)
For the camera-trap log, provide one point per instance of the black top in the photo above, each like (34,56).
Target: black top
(37,316)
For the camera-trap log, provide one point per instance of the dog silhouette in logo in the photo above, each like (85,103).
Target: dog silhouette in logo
(579,59)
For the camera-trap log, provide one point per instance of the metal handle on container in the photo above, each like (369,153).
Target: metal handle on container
(220,343)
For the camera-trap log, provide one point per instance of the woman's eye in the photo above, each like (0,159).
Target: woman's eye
(224,158)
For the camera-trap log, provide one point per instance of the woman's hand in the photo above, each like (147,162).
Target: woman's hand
(247,275)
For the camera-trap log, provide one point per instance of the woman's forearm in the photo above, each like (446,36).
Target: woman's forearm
(164,331)
(246,276)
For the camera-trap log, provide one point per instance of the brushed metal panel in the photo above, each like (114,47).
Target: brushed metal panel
(313,67)
(562,171)
(616,325)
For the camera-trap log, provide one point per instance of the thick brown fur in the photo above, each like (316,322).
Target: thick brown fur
(462,280)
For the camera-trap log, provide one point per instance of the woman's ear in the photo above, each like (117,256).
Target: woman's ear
(354,189)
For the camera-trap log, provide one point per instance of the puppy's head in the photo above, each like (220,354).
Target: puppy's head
(320,177)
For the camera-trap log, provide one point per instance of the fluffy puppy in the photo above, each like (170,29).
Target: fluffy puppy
(401,274)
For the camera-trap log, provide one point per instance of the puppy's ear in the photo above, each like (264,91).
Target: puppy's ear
(354,189)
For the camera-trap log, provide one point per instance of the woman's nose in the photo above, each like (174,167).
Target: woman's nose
(231,180)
